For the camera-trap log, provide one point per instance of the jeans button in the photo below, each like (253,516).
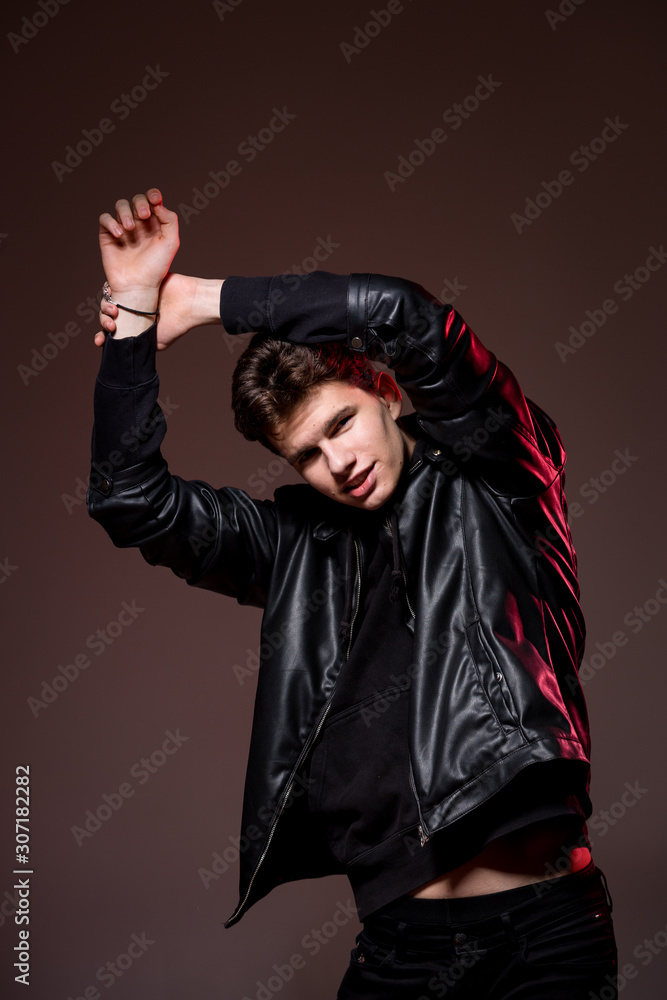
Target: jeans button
(460,938)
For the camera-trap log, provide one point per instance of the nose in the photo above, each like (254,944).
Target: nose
(341,460)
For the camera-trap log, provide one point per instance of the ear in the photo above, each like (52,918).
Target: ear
(387,390)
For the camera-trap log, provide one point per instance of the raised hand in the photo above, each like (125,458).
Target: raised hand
(179,304)
(137,247)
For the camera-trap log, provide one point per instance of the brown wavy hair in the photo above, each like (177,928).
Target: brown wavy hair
(272,377)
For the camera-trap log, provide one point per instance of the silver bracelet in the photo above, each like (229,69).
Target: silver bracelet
(137,312)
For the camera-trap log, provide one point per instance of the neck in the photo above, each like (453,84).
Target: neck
(408,440)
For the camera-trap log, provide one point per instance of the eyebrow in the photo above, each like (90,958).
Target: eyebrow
(328,426)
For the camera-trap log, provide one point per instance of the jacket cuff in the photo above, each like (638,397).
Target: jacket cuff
(129,361)
(357,312)
(244,304)
(302,308)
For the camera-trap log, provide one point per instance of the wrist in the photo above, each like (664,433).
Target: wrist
(137,297)
(132,304)
(206,301)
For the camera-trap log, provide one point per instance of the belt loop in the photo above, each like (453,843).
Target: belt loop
(509,929)
(399,941)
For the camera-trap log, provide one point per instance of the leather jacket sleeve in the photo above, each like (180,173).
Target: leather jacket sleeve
(222,539)
(464,398)
(219,539)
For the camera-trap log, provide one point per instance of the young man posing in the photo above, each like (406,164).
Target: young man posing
(421,631)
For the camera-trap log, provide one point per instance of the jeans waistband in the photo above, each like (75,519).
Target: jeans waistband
(489,918)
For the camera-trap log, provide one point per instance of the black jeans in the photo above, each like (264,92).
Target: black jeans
(552,940)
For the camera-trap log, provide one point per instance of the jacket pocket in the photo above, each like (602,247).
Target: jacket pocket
(491,678)
(361,776)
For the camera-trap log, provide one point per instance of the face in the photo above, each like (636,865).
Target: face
(345,442)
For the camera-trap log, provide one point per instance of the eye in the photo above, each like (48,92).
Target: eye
(341,423)
(305,457)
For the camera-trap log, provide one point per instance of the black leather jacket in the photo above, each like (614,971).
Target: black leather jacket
(490,585)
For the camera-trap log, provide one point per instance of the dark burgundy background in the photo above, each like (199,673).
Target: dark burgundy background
(323,176)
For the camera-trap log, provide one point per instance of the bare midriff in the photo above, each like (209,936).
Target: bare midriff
(535,853)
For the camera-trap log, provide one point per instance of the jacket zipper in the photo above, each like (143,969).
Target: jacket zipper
(304,753)
(423,837)
(421,828)
(388,523)
(356,606)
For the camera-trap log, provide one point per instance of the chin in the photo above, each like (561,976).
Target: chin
(373,503)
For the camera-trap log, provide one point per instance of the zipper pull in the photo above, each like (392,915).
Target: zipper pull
(423,837)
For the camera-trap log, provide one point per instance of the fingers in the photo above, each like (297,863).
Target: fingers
(107,315)
(142,204)
(123,222)
(164,216)
(124,213)
(109,225)
(141,208)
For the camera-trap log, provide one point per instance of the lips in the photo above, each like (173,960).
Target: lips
(361,484)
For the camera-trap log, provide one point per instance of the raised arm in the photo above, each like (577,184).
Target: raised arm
(464,398)
(187,526)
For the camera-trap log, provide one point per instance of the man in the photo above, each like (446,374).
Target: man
(421,631)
